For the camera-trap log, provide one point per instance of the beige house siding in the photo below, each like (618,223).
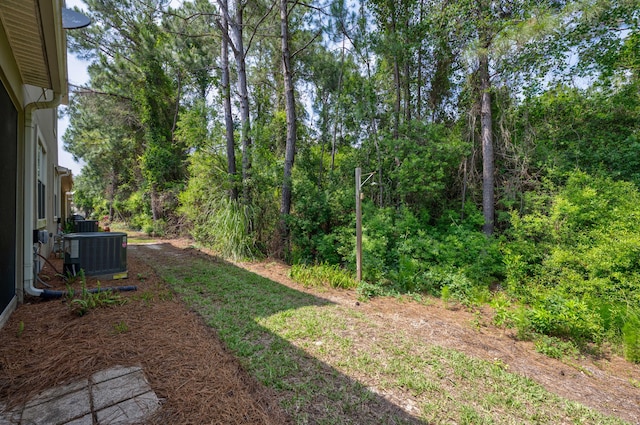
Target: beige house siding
(45,123)
(59,180)
(34,88)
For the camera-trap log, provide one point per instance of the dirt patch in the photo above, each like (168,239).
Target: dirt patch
(201,382)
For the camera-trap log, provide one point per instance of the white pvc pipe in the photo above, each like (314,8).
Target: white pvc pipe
(29,184)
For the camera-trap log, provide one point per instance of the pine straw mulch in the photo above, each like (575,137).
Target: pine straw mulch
(44,344)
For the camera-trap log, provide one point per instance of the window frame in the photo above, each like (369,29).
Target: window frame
(41,181)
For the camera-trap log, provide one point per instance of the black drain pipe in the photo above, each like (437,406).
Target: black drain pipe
(52,294)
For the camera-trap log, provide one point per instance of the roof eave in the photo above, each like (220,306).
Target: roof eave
(55,43)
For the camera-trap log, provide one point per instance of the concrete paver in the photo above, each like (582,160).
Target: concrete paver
(119,395)
(85,420)
(115,390)
(129,411)
(57,411)
(112,373)
(57,392)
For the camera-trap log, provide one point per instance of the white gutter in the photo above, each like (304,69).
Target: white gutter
(62,171)
(29,182)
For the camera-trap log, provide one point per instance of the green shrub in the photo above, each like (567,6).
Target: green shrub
(405,253)
(379,255)
(522,323)
(574,257)
(631,338)
(155,228)
(503,314)
(555,347)
(316,216)
(368,290)
(569,318)
(142,222)
(453,285)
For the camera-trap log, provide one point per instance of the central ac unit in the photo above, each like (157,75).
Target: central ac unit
(99,254)
(83,226)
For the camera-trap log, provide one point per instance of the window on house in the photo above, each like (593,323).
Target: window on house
(41,170)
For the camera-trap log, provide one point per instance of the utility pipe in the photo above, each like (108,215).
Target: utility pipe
(29,182)
(52,294)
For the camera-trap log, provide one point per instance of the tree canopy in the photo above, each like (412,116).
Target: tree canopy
(479,121)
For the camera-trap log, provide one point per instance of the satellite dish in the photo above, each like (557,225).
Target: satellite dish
(72,20)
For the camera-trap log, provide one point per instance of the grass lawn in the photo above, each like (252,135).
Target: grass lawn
(332,364)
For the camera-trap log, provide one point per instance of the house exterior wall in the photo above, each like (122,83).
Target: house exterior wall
(66,186)
(12,252)
(45,124)
(32,122)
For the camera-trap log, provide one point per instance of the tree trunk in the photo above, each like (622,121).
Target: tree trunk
(396,76)
(396,105)
(407,91)
(337,117)
(324,118)
(177,108)
(226,94)
(290,110)
(111,193)
(407,77)
(419,62)
(487,141)
(236,26)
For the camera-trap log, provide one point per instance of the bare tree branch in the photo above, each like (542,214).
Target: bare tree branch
(83,90)
(307,44)
(260,21)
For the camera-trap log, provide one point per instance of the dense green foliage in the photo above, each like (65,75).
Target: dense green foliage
(594,130)
(218,221)
(401,90)
(574,259)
